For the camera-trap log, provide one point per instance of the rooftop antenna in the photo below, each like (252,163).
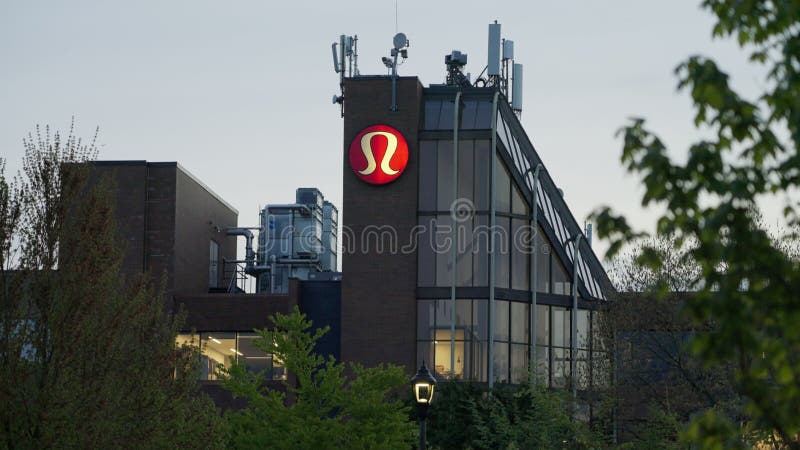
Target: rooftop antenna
(345,63)
(493,62)
(400,48)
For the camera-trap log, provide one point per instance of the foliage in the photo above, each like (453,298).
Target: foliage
(508,417)
(748,286)
(321,407)
(87,359)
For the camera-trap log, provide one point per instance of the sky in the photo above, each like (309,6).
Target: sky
(239,92)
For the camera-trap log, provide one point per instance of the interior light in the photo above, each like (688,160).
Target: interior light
(236,351)
(216,341)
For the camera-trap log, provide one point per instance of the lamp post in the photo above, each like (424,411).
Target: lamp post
(422,384)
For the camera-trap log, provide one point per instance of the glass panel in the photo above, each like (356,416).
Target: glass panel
(478,359)
(519,363)
(502,256)
(425,319)
(543,262)
(520,322)
(482,153)
(500,320)
(502,186)
(464,315)
(561,283)
(480,319)
(469,109)
(425,353)
(583,328)
(446,116)
(442,347)
(442,248)
(217,349)
(466,162)
(465,253)
(561,331)
(443,315)
(187,339)
(480,253)
(427,175)
(518,205)
(254,359)
(501,362)
(598,342)
(560,367)
(426,257)
(432,108)
(542,324)
(520,254)
(444,175)
(543,365)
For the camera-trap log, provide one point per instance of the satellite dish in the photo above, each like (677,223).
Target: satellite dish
(400,41)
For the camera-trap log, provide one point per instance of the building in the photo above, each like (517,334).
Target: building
(453,229)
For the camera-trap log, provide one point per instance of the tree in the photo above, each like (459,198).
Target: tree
(322,407)
(87,358)
(468,415)
(748,285)
(659,383)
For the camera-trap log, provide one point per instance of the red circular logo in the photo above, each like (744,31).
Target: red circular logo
(378,154)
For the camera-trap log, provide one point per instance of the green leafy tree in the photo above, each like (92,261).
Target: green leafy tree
(748,285)
(468,415)
(87,359)
(319,406)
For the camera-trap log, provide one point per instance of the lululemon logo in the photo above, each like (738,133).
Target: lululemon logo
(378,154)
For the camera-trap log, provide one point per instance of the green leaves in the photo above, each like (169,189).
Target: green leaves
(320,407)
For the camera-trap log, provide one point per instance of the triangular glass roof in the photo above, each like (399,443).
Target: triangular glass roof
(520,156)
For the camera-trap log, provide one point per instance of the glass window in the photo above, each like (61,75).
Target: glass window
(464,314)
(480,319)
(466,161)
(443,247)
(254,359)
(427,175)
(480,252)
(543,262)
(444,175)
(187,339)
(561,367)
(501,362)
(213,265)
(425,319)
(598,341)
(502,257)
(426,256)
(542,324)
(582,369)
(543,365)
(561,283)
(500,320)
(432,109)
(502,186)
(217,349)
(425,353)
(519,363)
(518,205)
(482,167)
(465,253)
(442,347)
(520,254)
(561,330)
(478,358)
(583,328)
(520,322)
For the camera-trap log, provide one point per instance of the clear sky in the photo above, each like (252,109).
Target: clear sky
(239,92)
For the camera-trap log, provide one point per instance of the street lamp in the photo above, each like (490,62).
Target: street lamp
(423,384)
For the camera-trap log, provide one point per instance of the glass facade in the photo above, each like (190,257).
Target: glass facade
(455,341)
(222,349)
